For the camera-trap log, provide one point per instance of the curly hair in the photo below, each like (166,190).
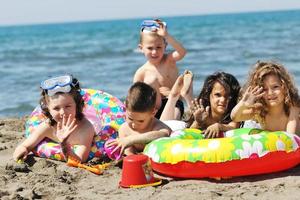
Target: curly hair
(257,76)
(75,93)
(232,88)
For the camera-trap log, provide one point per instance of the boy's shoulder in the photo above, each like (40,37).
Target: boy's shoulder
(125,130)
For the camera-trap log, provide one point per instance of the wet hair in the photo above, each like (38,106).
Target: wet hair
(141,98)
(75,93)
(232,88)
(257,76)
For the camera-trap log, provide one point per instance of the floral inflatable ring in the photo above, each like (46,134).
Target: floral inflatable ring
(187,154)
(103,110)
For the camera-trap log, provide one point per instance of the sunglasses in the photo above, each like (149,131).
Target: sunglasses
(58,84)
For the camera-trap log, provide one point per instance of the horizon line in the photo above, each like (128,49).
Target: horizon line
(140,17)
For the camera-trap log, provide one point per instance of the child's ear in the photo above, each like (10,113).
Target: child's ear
(141,47)
(154,112)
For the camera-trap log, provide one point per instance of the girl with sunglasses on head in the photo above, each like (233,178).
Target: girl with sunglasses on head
(270,100)
(62,104)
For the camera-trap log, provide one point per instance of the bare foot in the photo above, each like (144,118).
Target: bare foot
(187,88)
(177,87)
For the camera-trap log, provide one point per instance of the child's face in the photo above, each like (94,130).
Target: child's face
(218,100)
(139,121)
(61,104)
(153,47)
(274,91)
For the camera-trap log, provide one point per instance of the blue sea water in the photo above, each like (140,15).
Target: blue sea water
(103,54)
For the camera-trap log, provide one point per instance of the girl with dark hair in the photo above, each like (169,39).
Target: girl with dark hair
(210,111)
(62,104)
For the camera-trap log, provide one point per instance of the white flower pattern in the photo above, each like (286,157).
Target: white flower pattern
(248,150)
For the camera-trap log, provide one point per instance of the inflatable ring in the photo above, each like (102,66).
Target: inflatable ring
(246,151)
(103,110)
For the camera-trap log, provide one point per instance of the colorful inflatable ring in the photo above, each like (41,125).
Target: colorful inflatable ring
(103,110)
(241,152)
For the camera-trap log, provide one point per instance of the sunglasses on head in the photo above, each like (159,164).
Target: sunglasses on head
(58,84)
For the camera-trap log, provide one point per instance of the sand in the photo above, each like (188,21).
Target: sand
(49,179)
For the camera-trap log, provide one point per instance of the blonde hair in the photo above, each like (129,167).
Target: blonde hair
(152,34)
(256,78)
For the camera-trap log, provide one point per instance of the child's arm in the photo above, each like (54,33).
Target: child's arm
(83,150)
(22,150)
(215,129)
(247,107)
(143,138)
(139,75)
(180,51)
(293,120)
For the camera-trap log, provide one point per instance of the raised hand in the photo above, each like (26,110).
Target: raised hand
(199,112)
(162,31)
(251,95)
(65,127)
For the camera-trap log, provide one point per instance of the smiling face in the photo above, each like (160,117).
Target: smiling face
(61,104)
(153,47)
(274,91)
(218,100)
(139,121)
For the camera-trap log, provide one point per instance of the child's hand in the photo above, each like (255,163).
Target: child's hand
(119,143)
(212,131)
(165,91)
(200,114)
(251,95)
(162,31)
(65,128)
(20,153)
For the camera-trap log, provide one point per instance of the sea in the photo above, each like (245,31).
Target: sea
(103,55)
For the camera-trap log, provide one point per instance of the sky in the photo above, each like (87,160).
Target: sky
(17,12)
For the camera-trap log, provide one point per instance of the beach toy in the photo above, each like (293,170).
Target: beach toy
(187,154)
(96,169)
(116,155)
(74,163)
(137,172)
(103,110)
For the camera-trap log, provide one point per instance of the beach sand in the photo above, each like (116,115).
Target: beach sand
(48,179)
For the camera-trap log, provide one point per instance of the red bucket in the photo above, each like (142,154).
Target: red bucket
(137,172)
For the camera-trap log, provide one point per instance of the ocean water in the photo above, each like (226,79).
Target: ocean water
(103,55)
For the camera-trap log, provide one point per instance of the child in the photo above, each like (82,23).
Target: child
(62,104)
(160,70)
(271,99)
(141,126)
(211,110)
